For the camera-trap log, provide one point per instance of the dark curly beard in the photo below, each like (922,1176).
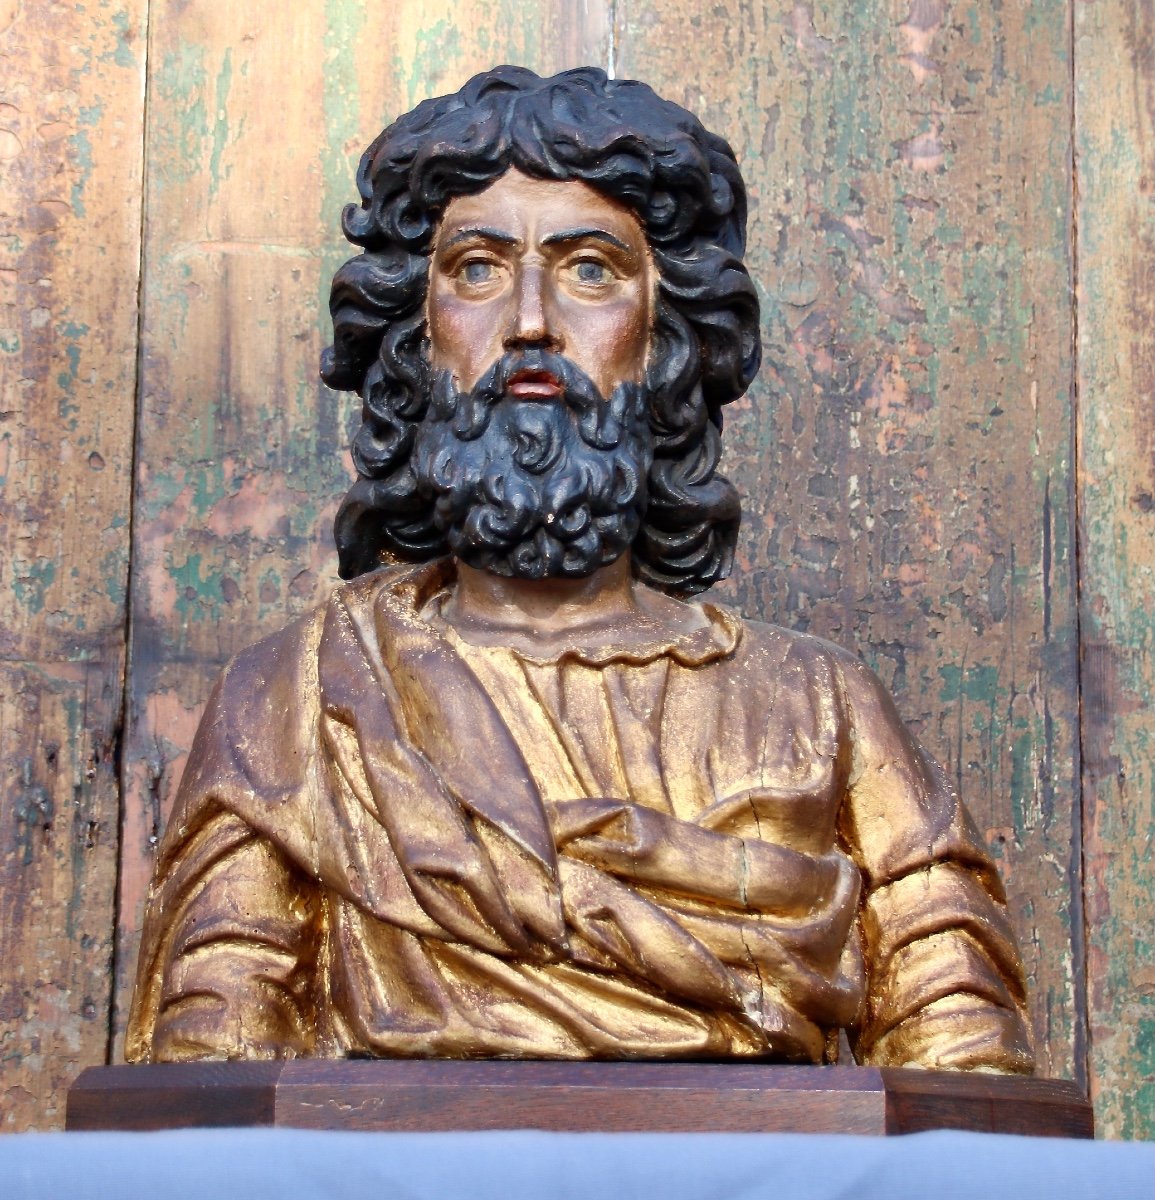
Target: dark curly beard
(535,489)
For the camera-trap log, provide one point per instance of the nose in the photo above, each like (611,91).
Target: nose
(531,324)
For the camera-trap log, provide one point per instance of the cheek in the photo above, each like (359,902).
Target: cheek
(616,340)
(460,337)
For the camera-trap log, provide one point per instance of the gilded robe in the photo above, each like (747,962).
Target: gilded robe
(389,841)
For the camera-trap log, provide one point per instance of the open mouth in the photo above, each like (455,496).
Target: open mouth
(533,385)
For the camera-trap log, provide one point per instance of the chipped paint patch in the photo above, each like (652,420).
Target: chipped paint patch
(31,580)
(220,124)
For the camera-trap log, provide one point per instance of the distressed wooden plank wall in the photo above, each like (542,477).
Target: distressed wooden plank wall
(1115,132)
(70,184)
(908,456)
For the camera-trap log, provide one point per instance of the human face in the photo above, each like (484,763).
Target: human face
(546,263)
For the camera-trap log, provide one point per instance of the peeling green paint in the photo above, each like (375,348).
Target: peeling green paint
(31,580)
(435,45)
(1024,768)
(198,591)
(977,683)
(34,812)
(220,127)
(181,83)
(209,485)
(344,25)
(1145,1045)
(67,405)
(122,55)
(161,491)
(80,150)
(114,574)
(270,593)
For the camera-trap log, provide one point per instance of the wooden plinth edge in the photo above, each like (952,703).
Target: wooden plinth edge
(425,1096)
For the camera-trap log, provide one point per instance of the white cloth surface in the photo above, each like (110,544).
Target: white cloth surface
(283,1164)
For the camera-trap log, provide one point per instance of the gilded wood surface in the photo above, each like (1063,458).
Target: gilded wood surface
(911,185)
(1115,125)
(70,180)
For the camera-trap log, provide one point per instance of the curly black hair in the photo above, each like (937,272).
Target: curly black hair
(623,139)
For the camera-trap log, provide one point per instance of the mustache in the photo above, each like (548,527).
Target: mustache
(601,421)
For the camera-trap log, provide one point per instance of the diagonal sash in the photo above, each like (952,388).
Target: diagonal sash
(449,784)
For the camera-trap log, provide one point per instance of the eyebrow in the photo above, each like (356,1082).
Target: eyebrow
(577,235)
(483,231)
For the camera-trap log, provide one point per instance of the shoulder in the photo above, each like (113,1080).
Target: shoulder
(263,671)
(268,696)
(272,690)
(808,646)
(258,736)
(809,670)
(286,659)
(764,641)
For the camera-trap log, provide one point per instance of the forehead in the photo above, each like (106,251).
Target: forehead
(530,209)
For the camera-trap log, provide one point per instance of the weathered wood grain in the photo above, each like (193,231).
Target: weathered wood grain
(255,128)
(1115,140)
(70,184)
(906,457)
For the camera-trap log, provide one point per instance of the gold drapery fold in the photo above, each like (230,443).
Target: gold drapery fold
(391,841)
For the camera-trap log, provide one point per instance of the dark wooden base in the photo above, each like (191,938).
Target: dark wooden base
(615,1097)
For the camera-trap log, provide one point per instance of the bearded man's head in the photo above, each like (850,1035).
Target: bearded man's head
(531,469)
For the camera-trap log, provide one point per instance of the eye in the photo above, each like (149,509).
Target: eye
(476,271)
(591,271)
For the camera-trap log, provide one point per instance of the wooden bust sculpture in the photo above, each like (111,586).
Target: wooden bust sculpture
(509,793)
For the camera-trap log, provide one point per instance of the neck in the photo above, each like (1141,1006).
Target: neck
(483,600)
(608,606)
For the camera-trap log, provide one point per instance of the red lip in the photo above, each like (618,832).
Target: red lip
(534,385)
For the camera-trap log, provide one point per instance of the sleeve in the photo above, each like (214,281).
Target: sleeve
(232,925)
(945,981)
